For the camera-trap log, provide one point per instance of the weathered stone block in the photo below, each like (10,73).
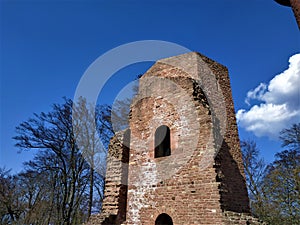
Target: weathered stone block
(201,180)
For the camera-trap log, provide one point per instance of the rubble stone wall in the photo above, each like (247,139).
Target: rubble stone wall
(202,181)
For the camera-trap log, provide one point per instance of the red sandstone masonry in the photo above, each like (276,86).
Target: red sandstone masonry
(203,180)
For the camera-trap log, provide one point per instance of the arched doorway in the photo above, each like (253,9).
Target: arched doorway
(163,219)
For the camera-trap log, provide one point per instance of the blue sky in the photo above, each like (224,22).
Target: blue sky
(46,46)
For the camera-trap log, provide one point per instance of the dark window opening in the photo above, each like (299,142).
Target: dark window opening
(164,219)
(162,142)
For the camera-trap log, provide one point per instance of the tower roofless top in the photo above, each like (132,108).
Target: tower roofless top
(190,57)
(192,63)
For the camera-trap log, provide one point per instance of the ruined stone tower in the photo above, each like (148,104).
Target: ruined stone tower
(180,161)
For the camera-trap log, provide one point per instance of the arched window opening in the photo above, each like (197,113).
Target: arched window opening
(163,219)
(162,142)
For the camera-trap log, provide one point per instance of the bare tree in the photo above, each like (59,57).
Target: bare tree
(61,161)
(11,203)
(282,188)
(290,137)
(274,189)
(93,130)
(255,172)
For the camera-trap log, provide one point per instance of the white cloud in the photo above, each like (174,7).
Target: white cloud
(279,103)
(257,93)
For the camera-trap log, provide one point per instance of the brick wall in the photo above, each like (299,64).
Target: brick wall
(202,181)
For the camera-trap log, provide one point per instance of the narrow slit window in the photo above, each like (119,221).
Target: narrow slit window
(162,142)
